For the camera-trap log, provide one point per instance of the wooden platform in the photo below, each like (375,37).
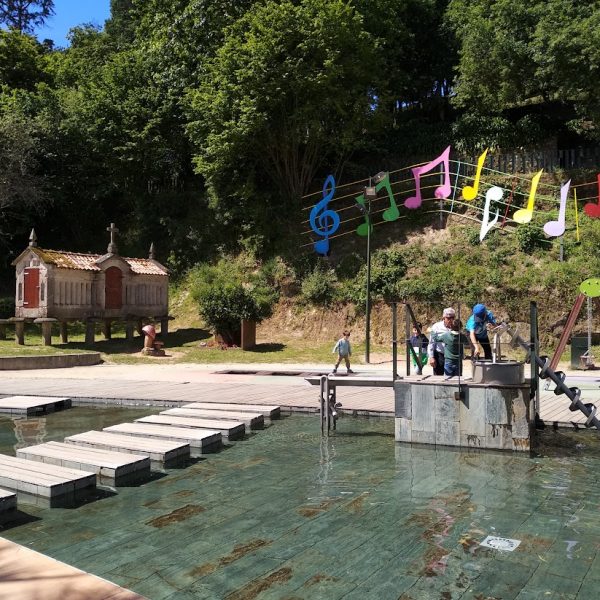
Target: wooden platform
(8,505)
(270,412)
(32,405)
(29,575)
(157,450)
(118,468)
(228,429)
(42,480)
(198,439)
(252,420)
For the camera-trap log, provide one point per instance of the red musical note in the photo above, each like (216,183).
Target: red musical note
(593,210)
(443,191)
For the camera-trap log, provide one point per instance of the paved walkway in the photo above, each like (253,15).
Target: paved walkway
(174,384)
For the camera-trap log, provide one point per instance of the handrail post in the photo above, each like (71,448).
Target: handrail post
(394,341)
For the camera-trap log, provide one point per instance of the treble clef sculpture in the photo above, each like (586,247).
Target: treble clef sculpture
(324,221)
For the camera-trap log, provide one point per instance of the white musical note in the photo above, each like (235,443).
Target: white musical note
(494,194)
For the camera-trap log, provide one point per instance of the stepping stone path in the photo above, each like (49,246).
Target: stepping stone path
(55,471)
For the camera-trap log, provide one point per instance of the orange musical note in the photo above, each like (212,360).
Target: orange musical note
(593,210)
(470,191)
(524,215)
(442,191)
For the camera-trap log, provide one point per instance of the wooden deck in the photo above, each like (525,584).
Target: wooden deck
(32,405)
(158,450)
(231,430)
(118,468)
(251,420)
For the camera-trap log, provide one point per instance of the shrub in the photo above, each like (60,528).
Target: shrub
(7,307)
(529,237)
(319,286)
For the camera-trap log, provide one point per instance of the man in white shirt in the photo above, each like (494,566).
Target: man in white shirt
(435,349)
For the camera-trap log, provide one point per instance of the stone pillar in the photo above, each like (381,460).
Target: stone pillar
(64,334)
(248,340)
(106,329)
(129,330)
(90,332)
(164,326)
(46,324)
(140,324)
(3,323)
(19,330)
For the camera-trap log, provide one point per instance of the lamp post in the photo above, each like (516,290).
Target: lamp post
(370,194)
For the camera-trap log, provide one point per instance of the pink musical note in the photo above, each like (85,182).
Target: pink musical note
(593,210)
(557,228)
(443,191)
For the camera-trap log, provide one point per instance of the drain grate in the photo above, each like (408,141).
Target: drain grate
(272,373)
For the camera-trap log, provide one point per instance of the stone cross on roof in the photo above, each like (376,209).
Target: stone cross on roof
(112,247)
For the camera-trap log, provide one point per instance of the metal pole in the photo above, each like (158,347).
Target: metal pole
(368,307)
(394,341)
(561,256)
(534,350)
(407,337)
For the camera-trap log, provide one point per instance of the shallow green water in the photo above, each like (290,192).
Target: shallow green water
(286,515)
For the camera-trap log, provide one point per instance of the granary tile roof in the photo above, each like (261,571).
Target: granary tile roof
(89,262)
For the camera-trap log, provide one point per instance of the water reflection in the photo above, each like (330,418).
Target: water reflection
(29,431)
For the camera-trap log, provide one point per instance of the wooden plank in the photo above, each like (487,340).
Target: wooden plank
(32,405)
(252,420)
(229,429)
(158,450)
(199,439)
(271,412)
(117,466)
(42,480)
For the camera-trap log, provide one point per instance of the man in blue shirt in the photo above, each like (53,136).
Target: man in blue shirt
(477,326)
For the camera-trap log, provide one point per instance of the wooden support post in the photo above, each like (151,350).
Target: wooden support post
(129,330)
(19,330)
(140,324)
(64,334)
(46,324)
(106,329)
(164,326)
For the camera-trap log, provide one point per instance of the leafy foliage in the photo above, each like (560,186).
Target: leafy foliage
(319,286)
(25,15)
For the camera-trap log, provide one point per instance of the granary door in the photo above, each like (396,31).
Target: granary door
(114,288)
(31,288)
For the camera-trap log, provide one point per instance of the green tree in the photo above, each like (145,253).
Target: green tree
(25,15)
(22,60)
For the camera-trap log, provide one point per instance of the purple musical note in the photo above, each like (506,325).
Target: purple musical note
(443,191)
(324,221)
(557,228)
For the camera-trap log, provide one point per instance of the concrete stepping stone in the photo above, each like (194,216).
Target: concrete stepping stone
(41,480)
(162,451)
(270,412)
(32,405)
(117,467)
(229,429)
(198,439)
(252,420)
(8,505)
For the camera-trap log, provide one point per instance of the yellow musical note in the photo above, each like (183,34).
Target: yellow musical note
(470,191)
(524,215)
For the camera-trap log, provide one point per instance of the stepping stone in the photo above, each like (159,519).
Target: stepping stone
(198,439)
(32,405)
(229,429)
(162,451)
(8,505)
(119,467)
(42,480)
(271,412)
(252,420)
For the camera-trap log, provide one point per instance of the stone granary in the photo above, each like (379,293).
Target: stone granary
(53,285)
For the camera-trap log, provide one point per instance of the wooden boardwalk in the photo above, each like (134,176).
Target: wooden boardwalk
(251,420)
(32,405)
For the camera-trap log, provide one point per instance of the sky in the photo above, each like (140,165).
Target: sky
(70,13)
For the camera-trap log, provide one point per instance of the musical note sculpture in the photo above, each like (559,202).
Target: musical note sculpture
(591,287)
(442,191)
(557,228)
(470,191)
(324,221)
(389,214)
(592,209)
(494,194)
(524,215)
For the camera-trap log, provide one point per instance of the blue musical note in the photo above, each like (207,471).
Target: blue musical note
(324,221)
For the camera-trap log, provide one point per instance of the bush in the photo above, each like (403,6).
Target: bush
(7,307)
(529,237)
(319,286)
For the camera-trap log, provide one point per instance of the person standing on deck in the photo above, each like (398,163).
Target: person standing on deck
(477,326)
(344,350)
(435,349)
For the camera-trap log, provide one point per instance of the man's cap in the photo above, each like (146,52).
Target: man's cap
(479,310)
(449,312)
